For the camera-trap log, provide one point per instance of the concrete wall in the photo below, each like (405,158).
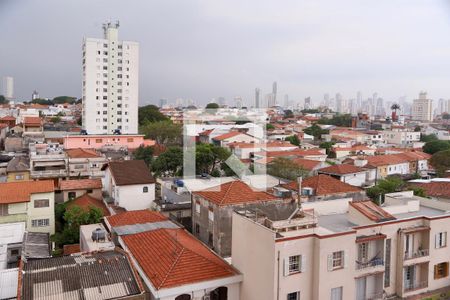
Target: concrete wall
(132,197)
(42,213)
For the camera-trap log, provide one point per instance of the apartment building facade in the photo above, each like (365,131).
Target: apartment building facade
(422,108)
(398,251)
(110,83)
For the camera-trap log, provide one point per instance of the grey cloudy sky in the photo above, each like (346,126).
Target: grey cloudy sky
(204,49)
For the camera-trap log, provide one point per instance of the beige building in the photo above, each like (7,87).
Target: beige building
(29,201)
(344,250)
(422,108)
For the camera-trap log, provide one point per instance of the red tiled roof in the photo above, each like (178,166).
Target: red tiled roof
(295,152)
(324,185)
(8,118)
(392,159)
(16,192)
(372,211)
(206,132)
(32,121)
(3,125)
(234,192)
(172,257)
(307,164)
(71,249)
(80,184)
(435,189)
(130,172)
(86,201)
(82,153)
(354,148)
(227,135)
(341,169)
(136,217)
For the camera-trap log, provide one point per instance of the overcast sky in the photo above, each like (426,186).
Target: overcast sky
(205,49)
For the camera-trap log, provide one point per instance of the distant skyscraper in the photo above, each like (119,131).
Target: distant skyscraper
(35,95)
(307,103)
(270,99)
(442,106)
(110,83)
(326,100)
(162,102)
(179,102)
(257,98)
(238,102)
(8,87)
(422,109)
(274,92)
(359,101)
(379,107)
(338,103)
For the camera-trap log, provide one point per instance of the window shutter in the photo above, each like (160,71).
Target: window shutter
(286,267)
(436,240)
(303,263)
(444,239)
(330,262)
(345,259)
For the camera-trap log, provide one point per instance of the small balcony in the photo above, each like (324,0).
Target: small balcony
(48,173)
(417,254)
(412,286)
(375,262)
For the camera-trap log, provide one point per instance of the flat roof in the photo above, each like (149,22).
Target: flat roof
(423,211)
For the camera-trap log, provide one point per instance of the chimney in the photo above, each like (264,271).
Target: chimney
(299,189)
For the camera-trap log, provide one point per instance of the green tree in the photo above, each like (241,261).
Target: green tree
(212,106)
(344,120)
(327,145)
(417,128)
(284,168)
(316,131)
(269,126)
(428,137)
(288,113)
(42,101)
(293,139)
(390,184)
(446,116)
(310,111)
(163,132)
(169,163)
(436,146)
(441,162)
(64,99)
(55,119)
(150,113)
(3,100)
(144,153)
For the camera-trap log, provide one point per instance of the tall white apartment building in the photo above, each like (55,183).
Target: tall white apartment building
(344,250)
(110,83)
(8,87)
(422,108)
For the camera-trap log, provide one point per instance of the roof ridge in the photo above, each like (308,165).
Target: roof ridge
(175,261)
(227,192)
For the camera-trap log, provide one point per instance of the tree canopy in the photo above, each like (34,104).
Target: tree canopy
(163,132)
(169,163)
(293,139)
(284,168)
(316,131)
(390,184)
(436,146)
(212,106)
(344,120)
(145,154)
(441,161)
(3,100)
(150,113)
(428,137)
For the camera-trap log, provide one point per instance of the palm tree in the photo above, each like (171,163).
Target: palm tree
(395,107)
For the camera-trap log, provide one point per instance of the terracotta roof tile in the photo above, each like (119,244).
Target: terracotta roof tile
(372,211)
(80,184)
(307,164)
(324,185)
(71,249)
(32,121)
(86,201)
(234,192)
(129,172)
(16,192)
(8,118)
(82,153)
(135,217)
(227,135)
(435,189)
(341,169)
(172,257)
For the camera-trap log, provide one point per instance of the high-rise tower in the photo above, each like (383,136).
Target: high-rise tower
(110,83)
(257,98)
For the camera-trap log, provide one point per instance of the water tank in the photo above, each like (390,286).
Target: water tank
(98,235)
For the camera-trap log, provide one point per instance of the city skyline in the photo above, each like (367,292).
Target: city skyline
(309,49)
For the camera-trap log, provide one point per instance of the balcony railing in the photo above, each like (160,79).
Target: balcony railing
(415,286)
(374,296)
(49,173)
(377,261)
(417,254)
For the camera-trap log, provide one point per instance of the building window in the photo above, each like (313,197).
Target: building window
(387,264)
(145,189)
(19,177)
(3,209)
(336,260)
(15,252)
(441,240)
(130,140)
(294,264)
(77,167)
(441,270)
(211,215)
(336,293)
(363,252)
(197,229)
(293,296)
(41,203)
(98,141)
(40,223)
(197,207)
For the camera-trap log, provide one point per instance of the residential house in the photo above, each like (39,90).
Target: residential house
(29,201)
(234,137)
(323,187)
(212,209)
(47,161)
(129,184)
(350,174)
(354,250)
(436,188)
(401,136)
(98,141)
(164,253)
(74,188)
(18,169)
(97,275)
(85,163)
(342,152)
(32,126)
(8,120)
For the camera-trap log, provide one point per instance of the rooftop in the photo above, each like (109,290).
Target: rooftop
(341,169)
(85,202)
(102,275)
(129,172)
(135,217)
(36,245)
(80,184)
(323,185)
(82,153)
(173,257)
(16,192)
(18,164)
(234,192)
